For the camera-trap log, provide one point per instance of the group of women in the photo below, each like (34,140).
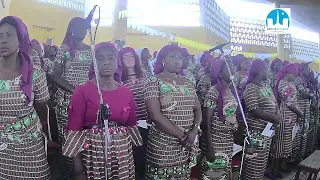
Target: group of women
(163,120)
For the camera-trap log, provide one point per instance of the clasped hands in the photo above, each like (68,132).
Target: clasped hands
(187,139)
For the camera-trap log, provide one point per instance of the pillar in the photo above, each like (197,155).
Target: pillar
(283,54)
(119,26)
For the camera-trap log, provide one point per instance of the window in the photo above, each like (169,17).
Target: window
(72,4)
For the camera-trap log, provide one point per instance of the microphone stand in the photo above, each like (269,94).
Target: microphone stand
(104,111)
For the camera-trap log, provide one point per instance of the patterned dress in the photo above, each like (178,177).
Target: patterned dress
(22,150)
(301,137)
(147,70)
(85,136)
(189,75)
(282,141)
(137,85)
(239,81)
(222,137)
(76,73)
(272,79)
(198,73)
(166,158)
(203,87)
(257,97)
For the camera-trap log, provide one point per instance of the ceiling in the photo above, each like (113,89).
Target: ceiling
(305,12)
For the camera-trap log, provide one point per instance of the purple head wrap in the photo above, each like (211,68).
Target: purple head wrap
(274,62)
(185,52)
(285,62)
(288,69)
(117,74)
(126,50)
(255,68)
(68,37)
(215,80)
(158,66)
(24,48)
(237,60)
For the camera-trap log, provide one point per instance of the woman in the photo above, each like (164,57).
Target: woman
(220,122)
(274,68)
(133,78)
(286,95)
(145,57)
(205,82)
(261,108)
(175,113)
(85,139)
(70,70)
(23,97)
(52,52)
(201,64)
(285,62)
(187,66)
(303,95)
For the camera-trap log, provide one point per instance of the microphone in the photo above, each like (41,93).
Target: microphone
(90,15)
(219,47)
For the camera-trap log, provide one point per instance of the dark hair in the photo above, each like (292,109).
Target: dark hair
(137,69)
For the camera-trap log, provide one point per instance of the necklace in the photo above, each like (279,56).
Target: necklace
(172,80)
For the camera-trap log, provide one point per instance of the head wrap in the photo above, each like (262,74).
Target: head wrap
(158,66)
(184,52)
(118,73)
(288,69)
(216,68)
(274,62)
(126,50)
(68,37)
(34,41)
(237,60)
(24,48)
(256,67)
(285,62)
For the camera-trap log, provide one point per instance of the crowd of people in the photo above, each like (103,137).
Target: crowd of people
(168,114)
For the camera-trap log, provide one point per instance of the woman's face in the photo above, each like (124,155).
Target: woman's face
(129,60)
(245,64)
(9,42)
(145,55)
(106,61)
(52,51)
(173,61)
(291,77)
(79,30)
(225,75)
(38,49)
(277,66)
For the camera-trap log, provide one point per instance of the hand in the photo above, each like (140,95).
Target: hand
(211,156)
(189,137)
(277,119)
(81,177)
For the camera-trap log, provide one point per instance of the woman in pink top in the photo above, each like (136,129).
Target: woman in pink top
(84,133)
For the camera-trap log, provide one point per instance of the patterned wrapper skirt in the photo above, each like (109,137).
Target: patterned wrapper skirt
(282,141)
(22,151)
(254,165)
(166,158)
(222,139)
(91,144)
(61,110)
(300,140)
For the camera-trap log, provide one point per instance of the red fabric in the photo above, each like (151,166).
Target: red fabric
(84,106)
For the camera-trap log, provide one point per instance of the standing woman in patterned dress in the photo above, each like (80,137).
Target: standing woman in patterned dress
(85,139)
(220,122)
(145,58)
(204,84)
(70,70)
(174,110)
(274,68)
(261,107)
(286,94)
(133,77)
(23,96)
(303,96)
(201,64)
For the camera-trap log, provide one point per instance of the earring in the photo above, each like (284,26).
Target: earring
(18,49)
(163,64)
